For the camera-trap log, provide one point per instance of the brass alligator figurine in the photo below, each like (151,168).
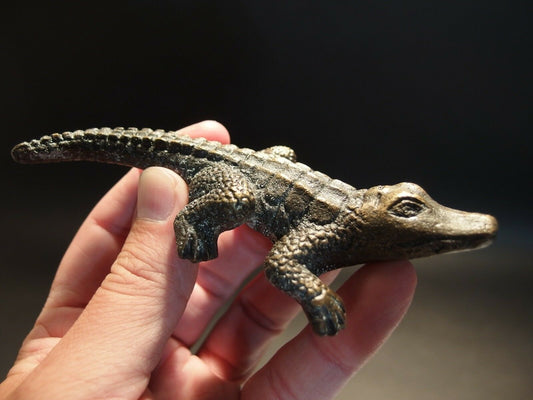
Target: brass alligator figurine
(316,223)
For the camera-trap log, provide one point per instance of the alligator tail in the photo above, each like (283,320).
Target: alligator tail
(132,147)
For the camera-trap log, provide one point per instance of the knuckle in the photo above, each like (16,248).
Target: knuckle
(138,268)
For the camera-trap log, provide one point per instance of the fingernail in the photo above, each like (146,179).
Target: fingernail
(156,196)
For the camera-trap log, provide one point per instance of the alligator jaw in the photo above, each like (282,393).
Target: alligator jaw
(462,231)
(458,240)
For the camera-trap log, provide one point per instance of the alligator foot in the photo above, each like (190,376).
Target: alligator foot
(326,313)
(193,244)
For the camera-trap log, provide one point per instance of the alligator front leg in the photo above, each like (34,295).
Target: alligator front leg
(220,199)
(289,267)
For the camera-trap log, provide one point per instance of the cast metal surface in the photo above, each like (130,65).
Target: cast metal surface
(316,223)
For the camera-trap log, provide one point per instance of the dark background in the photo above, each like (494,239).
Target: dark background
(438,93)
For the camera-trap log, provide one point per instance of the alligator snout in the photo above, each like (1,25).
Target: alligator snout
(465,230)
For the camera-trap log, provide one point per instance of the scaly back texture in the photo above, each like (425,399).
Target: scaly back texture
(316,223)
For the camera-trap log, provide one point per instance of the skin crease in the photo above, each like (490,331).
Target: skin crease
(123,310)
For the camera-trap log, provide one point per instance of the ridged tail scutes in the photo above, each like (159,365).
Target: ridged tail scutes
(105,144)
(132,147)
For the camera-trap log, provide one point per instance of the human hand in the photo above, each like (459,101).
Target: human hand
(124,310)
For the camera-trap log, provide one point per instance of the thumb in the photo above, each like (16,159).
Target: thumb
(118,339)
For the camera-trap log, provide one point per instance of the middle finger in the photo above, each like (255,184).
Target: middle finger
(241,251)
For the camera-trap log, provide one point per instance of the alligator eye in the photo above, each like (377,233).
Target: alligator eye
(407,208)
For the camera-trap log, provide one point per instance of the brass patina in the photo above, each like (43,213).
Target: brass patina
(316,223)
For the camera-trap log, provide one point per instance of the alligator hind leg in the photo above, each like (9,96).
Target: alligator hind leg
(220,198)
(289,267)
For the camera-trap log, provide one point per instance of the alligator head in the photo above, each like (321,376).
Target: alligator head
(402,221)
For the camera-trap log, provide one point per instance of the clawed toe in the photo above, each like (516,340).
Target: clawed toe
(193,247)
(327,314)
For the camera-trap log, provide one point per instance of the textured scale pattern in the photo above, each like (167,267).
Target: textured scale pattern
(316,223)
